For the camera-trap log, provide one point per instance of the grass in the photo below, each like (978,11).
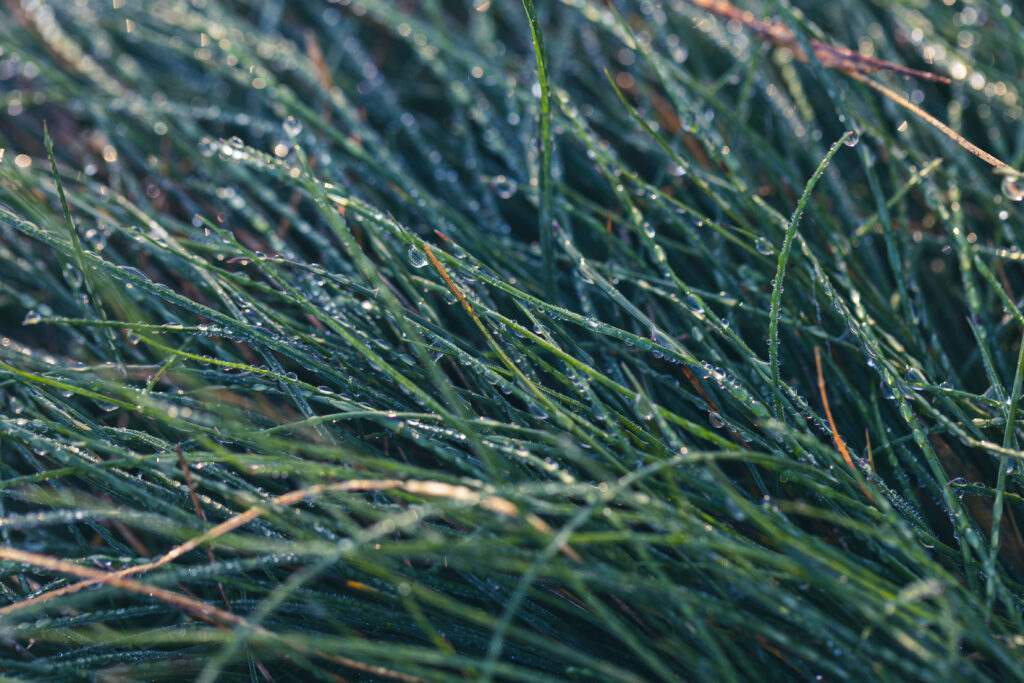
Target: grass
(402,341)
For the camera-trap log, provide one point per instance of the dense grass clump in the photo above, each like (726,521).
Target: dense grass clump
(597,340)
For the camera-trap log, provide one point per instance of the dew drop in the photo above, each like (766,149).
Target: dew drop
(416,258)
(32,318)
(73,276)
(504,187)
(764,247)
(716,420)
(852,138)
(1013,188)
(292,127)
(915,379)
(207,147)
(886,391)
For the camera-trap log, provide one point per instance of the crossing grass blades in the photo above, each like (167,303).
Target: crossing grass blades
(588,340)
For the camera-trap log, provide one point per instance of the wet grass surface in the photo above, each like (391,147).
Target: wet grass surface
(339,339)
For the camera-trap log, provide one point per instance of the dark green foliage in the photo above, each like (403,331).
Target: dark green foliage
(571,388)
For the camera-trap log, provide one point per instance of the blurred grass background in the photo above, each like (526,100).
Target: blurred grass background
(442,366)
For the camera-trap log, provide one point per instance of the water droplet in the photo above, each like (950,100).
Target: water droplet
(915,379)
(416,258)
(504,187)
(1013,188)
(292,127)
(887,391)
(716,420)
(852,138)
(693,303)
(73,276)
(32,318)
(649,230)
(207,147)
(764,247)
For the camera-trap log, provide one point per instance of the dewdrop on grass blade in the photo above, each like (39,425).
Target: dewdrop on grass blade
(292,127)
(504,187)
(1012,185)
(416,258)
